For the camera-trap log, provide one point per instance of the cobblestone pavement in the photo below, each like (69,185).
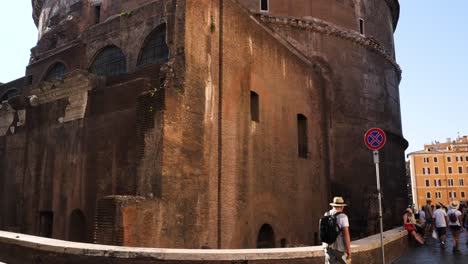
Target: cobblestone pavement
(433,253)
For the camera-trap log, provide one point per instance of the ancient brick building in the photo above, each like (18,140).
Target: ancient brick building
(201,123)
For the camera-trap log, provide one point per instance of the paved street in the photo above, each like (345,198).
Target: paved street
(433,253)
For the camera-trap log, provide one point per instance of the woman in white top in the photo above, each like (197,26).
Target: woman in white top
(455,223)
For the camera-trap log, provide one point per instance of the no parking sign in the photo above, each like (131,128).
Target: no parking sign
(375,138)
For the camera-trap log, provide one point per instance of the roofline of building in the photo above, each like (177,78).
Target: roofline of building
(394,6)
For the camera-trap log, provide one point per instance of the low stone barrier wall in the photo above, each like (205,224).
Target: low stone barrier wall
(19,249)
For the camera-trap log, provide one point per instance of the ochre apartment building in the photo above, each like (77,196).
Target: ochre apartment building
(440,172)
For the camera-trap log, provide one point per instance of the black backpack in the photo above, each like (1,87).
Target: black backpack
(329,228)
(453,217)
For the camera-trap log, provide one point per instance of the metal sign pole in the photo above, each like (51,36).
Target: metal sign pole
(376,161)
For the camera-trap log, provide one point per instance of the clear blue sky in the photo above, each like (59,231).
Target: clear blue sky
(431,45)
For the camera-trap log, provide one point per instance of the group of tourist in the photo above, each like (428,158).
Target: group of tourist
(429,222)
(454,217)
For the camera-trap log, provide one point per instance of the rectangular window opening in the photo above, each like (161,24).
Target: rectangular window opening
(264,5)
(46,223)
(97,14)
(254,107)
(302,136)
(361,26)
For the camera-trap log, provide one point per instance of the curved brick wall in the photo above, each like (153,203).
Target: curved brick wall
(19,248)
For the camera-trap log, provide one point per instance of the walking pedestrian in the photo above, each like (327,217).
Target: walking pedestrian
(422,220)
(428,214)
(455,221)
(340,250)
(440,222)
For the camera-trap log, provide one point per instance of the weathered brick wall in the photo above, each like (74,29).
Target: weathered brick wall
(362,81)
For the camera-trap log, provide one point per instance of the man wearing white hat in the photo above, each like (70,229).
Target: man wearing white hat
(340,250)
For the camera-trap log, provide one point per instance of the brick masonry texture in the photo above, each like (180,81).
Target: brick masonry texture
(167,154)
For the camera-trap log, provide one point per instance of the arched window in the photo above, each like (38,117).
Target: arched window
(77,227)
(266,237)
(56,72)
(9,94)
(302,136)
(155,49)
(109,62)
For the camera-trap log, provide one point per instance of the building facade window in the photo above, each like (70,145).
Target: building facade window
(460,170)
(428,195)
(302,136)
(462,194)
(450,170)
(461,182)
(110,61)
(155,49)
(264,5)
(56,72)
(46,223)
(438,195)
(437,182)
(427,183)
(450,182)
(436,170)
(457,159)
(97,13)
(452,194)
(361,26)
(449,159)
(436,159)
(254,107)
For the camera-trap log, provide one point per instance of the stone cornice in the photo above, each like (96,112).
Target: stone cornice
(394,6)
(326,28)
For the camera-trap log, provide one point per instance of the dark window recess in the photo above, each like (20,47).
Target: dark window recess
(109,62)
(56,72)
(77,229)
(46,223)
(283,243)
(302,136)
(254,107)
(361,26)
(266,237)
(97,14)
(155,49)
(264,5)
